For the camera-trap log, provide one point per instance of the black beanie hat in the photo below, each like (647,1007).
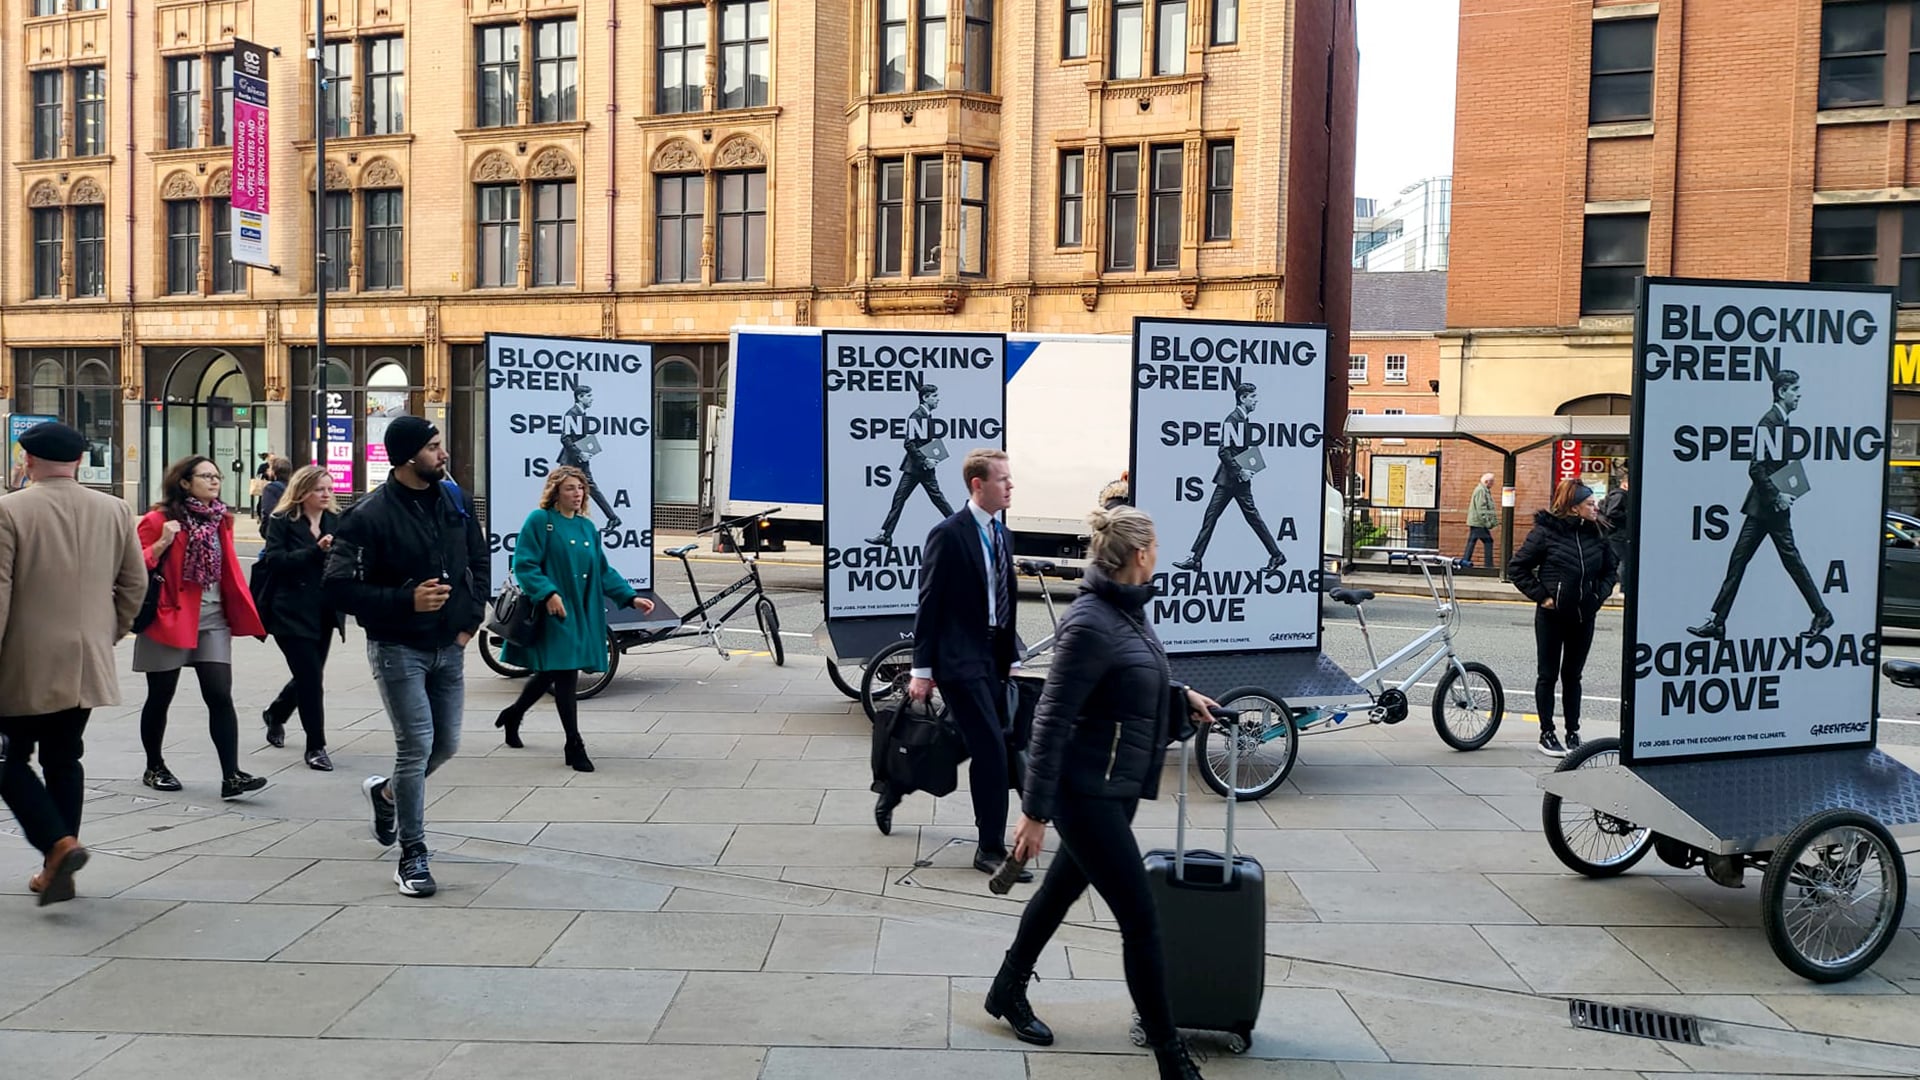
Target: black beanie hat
(407,436)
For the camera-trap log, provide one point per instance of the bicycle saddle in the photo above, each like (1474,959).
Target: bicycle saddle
(681,551)
(1036,567)
(1902,672)
(1351,596)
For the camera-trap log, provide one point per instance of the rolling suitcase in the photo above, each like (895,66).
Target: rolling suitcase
(1213,926)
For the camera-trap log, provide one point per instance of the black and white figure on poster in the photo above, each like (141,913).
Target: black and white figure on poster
(918,468)
(1233,481)
(1776,483)
(577,448)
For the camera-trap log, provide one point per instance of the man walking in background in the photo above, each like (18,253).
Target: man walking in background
(71,581)
(1481,518)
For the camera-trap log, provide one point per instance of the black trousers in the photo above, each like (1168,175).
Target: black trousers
(223,724)
(579,461)
(1479,534)
(565,686)
(306,691)
(1563,638)
(50,810)
(1779,528)
(979,710)
(1097,848)
(908,481)
(1238,493)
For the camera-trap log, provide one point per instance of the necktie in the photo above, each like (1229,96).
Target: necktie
(1001,604)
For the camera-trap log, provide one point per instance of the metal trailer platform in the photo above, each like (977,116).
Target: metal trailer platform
(857,640)
(1303,679)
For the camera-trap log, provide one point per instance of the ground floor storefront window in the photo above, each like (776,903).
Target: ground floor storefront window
(206,401)
(367,386)
(78,387)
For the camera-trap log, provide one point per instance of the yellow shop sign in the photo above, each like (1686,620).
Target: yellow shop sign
(1906,364)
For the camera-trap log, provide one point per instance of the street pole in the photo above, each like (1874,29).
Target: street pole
(319,239)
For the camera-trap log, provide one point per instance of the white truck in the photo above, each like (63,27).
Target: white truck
(1069,407)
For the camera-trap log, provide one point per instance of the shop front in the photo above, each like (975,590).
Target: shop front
(79,387)
(366,388)
(207,401)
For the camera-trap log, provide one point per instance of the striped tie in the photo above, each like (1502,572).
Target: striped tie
(1002,606)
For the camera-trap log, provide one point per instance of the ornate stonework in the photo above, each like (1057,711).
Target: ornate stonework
(380,173)
(803,312)
(1018,321)
(1189,294)
(221,185)
(179,186)
(551,164)
(1090,296)
(1263,305)
(609,320)
(337,177)
(85,192)
(495,167)
(740,152)
(676,155)
(44,194)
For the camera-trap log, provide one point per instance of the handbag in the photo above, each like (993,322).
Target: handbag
(515,617)
(916,748)
(150,606)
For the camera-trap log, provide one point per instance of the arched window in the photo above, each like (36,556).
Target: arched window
(676,431)
(1597,405)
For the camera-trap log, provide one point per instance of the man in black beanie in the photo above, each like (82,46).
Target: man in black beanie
(410,563)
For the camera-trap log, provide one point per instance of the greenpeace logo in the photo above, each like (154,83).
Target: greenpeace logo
(1854,727)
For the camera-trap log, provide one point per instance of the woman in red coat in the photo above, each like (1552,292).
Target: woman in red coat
(204,602)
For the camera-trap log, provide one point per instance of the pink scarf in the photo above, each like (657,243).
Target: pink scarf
(201,560)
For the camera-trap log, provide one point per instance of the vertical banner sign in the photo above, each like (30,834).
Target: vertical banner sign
(1759,483)
(250,157)
(902,410)
(582,402)
(1228,457)
(1566,460)
(339,441)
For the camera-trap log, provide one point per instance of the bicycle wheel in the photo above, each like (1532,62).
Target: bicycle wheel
(886,675)
(770,629)
(1467,712)
(1269,745)
(490,654)
(1586,840)
(592,682)
(839,681)
(1833,895)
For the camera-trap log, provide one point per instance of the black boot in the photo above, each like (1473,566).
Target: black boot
(577,756)
(1007,1000)
(1175,1060)
(510,720)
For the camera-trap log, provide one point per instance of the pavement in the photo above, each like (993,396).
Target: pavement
(715,902)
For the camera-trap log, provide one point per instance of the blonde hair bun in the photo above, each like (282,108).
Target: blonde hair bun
(1117,535)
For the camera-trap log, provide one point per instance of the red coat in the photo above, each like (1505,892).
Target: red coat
(177,622)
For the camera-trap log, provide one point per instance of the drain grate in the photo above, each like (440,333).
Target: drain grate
(1637,1022)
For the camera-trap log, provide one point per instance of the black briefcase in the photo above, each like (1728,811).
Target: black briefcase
(916,748)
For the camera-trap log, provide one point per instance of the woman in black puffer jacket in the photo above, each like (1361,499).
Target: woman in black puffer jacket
(1100,737)
(1568,569)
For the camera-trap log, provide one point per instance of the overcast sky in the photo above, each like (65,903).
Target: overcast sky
(1407,54)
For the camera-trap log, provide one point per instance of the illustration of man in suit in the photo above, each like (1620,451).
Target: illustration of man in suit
(1233,481)
(917,468)
(577,448)
(1776,483)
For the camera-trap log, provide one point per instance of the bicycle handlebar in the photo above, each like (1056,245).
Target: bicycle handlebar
(730,523)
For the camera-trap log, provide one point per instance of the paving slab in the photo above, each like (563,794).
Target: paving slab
(204,997)
(47,1055)
(1343,812)
(822,1063)
(209,931)
(777,1009)
(664,773)
(431,935)
(540,887)
(932,947)
(770,747)
(573,804)
(166,1057)
(1451,953)
(1371,1071)
(1461,812)
(106,874)
(733,806)
(1570,900)
(1138,1063)
(225,878)
(476,803)
(675,845)
(557,1061)
(819,845)
(843,944)
(1579,960)
(1369,780)
(1428,1032)
(513,1005)
(1407,898)
(1087,1017)
(72,929)
(1879,1018)
(365,884)
(674,940)
(30,978)
(1730,961)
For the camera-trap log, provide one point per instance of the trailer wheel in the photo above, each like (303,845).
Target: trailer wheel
(1587,840)
(1833,895)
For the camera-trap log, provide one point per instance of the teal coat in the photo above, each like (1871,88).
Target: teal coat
(559,555)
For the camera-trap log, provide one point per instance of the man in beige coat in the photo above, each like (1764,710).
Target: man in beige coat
(71,581)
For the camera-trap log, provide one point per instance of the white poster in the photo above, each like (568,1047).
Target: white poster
(1759,468)
(1228,455)
(582,402)
(902,410)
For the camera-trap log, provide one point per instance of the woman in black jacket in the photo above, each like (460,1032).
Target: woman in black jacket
(1100,737)
(1567,568)
(294,605)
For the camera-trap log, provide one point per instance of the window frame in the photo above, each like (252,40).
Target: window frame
(183,247)
(1588,264)
(1387,374)
(557,269)
(735,227)
(47,114)
(690,95)
(48,246)
(929,214)
(384,108)
(90,252)
(337,237)
(1161,197)
(229,274)
(690,223)
(976,247)
(1218,226)
(1357,374)
(506,102)
(747,46)
(1072,163)
(1597,77)
(219,63)
(1165,19)
(1136,66)
(976,80)
(1224,16)
(1115,219)
(504,228)
(183,101)
(926,80)
(563,66)
(383,243)
(887,79)
(336,108)
(1883,54)
(889,259)
(1075,13)
(95,74)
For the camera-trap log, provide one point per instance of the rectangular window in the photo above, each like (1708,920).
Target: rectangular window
(183,247)
(228,276)
(1853,55)
(1220,191)
(1846,243)
(973,217)
(46,115)
(933,44)
(1396,368)
(556,71)
(49,229)
(337,101)
(1622,83)
(499,85)
(1913,58)
(89,251)
(1073,37)
(1357,367)
(386,86)
(1168,169)
(1170,37)
(890,217)
(555,215)
(1614,255)
(336,228)
(384,248)
(1226,22)
(681,218)
(499,235)
(1909,254)
(1073,194)
(682,62)
(978,66)
(928,195)
(743,226)
(89,111)
(1129,39)
(46,7)
(183,102)
(893,46)
(746,28)
(1123,209)
(1393,412)
(222,99)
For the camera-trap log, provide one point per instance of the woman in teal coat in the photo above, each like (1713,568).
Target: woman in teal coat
(559,564)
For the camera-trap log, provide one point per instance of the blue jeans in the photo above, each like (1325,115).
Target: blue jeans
(1479,534)
(423,690)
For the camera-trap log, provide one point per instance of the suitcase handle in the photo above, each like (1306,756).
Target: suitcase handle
(1180,825)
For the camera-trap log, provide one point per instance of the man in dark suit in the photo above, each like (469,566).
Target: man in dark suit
(1232,482)
(577,449)
(1769,515)
(963,639)
(917,469)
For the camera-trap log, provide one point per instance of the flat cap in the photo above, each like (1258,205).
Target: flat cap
(53,441)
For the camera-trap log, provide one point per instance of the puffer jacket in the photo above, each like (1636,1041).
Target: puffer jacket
(1101,727)
(1569,560)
